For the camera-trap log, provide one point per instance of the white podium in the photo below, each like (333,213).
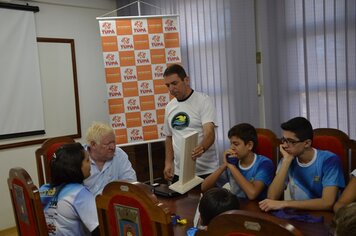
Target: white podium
(187,178)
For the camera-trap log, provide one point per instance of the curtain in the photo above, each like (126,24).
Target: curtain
(218,51)
(310,47)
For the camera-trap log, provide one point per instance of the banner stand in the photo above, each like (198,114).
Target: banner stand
(136,50)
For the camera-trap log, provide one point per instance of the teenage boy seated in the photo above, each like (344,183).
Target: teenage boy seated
(349,194)
(247,173)
(214,202)
(314,176)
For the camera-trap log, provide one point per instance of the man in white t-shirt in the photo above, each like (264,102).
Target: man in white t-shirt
(188,111)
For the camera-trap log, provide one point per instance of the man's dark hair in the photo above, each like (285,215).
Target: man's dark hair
(175,69)
(300,126)
(66,164)
(246,133)
(216,201)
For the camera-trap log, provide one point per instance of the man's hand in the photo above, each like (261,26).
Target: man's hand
(168,172)
(197,152)
(268,205)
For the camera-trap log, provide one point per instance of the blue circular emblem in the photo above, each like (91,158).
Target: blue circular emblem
(180,121)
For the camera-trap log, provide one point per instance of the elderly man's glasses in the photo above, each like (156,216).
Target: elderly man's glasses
(290,141)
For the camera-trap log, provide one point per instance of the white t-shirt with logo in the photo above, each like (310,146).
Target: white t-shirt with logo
(184,117)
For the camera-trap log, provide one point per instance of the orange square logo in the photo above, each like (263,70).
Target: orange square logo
(160,116)
(128,73)
(158,56)
(148,118)
(135,134)
(130,89)
(173,55)
(121,136)
(154,25)
(139,26)
(145,87)
(118,121)
(125,42)
(132,104)
(127,58)
(171,40)
(170,24)
(141,41)
(144,72)
(160,131)
(114,90)
(157,71)
(107,28)
(160,86)
(109,43)
(116,106)
(147,103)
(123,27)
(111,59)
(112,75)
(150,132)
(133,119)
(156,41)
(161,100)
(142,57)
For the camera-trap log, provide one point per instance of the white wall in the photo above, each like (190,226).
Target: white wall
(64,19)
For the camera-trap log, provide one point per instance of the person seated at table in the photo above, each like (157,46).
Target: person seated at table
(69,206)
(314,176)
(247,173)
(214,202)
(345,220)
(108,162)
(349,194)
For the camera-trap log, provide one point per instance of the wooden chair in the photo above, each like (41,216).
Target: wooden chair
(44,155)
(247,223)
(125,206)
(26,203)
(335,141)
(268,144)
(353,155)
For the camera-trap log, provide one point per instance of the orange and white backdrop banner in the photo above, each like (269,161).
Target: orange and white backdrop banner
(136,52)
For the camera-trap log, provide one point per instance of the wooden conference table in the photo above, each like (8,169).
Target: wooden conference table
(185,207)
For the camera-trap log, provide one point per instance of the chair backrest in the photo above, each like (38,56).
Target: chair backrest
(353,155)
(26,203)
(268,144)
(247,223)
(124,207)
(44,155)
(335,141)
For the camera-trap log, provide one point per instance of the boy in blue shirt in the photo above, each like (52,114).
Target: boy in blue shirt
(314,176)
(248,174)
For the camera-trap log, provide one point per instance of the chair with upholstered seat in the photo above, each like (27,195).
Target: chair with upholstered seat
(44,155)
(125,207)
(26,203)
(335,141)
(268,144)
(248,223)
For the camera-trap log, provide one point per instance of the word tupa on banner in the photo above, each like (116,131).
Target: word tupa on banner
(136,52)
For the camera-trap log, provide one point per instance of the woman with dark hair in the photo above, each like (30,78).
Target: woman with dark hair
(68,205)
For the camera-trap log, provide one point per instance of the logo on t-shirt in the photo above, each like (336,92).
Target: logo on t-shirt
(180,121)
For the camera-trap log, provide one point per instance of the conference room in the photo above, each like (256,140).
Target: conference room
(261,63)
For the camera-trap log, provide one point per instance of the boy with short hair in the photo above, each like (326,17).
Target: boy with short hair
(249,174)
(214,202)
(314,176)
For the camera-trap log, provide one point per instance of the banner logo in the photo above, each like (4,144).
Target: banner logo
(117,121)
(107,28)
